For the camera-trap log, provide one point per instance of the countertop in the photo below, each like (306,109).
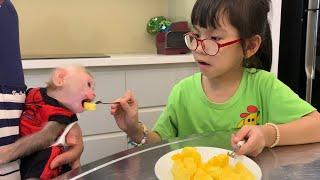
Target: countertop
(299,162)
(113,60)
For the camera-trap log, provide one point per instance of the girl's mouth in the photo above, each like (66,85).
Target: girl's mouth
(203,63)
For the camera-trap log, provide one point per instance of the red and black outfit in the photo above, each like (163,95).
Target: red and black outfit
(39,109)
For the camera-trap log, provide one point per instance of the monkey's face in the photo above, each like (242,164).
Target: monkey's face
(78,88)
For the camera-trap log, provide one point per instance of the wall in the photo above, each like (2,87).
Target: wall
(275,23)
(180,10)
(105,26)
(87,27)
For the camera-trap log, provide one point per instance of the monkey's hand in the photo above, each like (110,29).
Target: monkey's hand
(72,156)
(6,153)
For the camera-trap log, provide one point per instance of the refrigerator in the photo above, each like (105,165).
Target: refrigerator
(299,48)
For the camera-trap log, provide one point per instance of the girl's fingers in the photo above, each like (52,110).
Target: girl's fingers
(128,96)
(125,105)
(114,106)
(130,99)
(253,145)
(241,134)
(133,99)
(247,147)
(234,141)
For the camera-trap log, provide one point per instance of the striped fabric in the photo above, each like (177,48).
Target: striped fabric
(11,74)
(11,105)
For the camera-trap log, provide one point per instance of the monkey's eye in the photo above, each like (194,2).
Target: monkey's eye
(89,85)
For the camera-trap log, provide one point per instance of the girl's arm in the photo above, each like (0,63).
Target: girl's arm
(126,116)
(301,131)
(138,135)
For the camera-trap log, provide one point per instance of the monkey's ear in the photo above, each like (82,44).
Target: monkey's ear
(58,77)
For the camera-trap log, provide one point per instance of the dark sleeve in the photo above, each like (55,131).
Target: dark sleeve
(11,72)
(28,90)
(63,119)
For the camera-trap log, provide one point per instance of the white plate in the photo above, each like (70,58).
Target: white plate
(164,164)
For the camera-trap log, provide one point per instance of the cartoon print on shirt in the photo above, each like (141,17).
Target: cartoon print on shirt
(249,118)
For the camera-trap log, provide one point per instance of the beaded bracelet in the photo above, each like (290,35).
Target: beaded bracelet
(277,134)
(143,140)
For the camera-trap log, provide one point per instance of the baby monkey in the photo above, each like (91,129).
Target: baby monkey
(47,114)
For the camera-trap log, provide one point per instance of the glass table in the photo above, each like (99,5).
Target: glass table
(285,162)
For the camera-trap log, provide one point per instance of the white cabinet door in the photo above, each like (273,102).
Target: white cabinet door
(97,147)
(149,116)
(152,85)
(181,73)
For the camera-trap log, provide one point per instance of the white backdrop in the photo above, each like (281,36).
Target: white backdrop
(275,22)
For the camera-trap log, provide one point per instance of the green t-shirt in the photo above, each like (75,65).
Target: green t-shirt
(260,98)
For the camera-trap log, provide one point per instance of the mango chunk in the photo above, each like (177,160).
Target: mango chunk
(89,106)
(187,165)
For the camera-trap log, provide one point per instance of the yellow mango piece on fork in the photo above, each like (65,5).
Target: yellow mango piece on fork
(89,106)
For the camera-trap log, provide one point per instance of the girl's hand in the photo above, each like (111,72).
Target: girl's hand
(126,113)
(255,140)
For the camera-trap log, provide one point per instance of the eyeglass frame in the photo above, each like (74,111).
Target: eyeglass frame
(202,45)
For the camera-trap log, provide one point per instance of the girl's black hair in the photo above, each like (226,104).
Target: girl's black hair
(249,17)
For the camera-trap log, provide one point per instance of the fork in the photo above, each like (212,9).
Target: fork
(116,102)
(233,153)
(100,102)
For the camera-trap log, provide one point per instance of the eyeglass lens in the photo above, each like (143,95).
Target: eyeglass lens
(209,46)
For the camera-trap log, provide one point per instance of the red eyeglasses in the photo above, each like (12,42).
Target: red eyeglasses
(209,46)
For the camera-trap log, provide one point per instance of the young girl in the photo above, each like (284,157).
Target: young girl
(231,43)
